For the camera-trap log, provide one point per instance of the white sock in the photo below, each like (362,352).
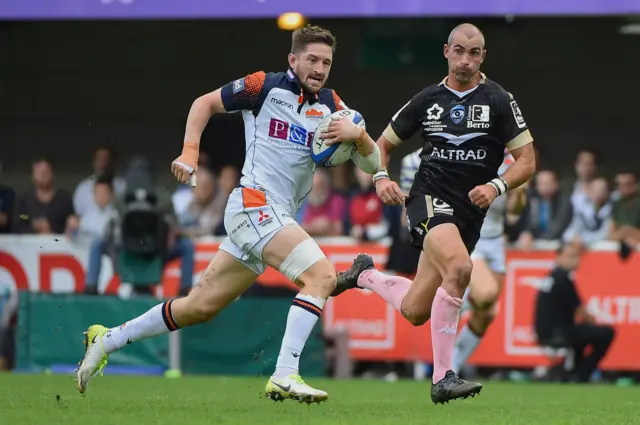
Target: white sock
(157,321)
(303,315)
(466,343)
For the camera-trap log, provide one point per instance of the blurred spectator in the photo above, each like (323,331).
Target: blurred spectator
(95,222)
(591,215)
(324,210)
(104,164)
(7,205)
(586,169)
(557,306)
(547,213)
(229,179)
(367,217)
(141,201)
(625,227)
(204,214)
(43,209)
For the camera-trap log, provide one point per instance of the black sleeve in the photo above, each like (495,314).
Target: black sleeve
(408,119)
(512,128)
(243,93)
(68,208)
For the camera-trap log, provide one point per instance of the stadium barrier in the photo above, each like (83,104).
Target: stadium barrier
(243,340)
(607,284)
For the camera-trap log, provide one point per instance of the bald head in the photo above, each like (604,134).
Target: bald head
(465,32)
(465,53)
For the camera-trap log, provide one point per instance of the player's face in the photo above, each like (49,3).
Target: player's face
(465,55)
(312,66)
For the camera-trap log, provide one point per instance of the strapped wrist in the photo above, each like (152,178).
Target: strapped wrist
(500,185)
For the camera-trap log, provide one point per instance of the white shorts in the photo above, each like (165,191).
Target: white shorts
(251,222)
(492,251)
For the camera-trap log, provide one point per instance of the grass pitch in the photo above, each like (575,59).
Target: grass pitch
(111,400)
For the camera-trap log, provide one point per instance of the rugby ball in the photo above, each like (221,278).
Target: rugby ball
(339,153)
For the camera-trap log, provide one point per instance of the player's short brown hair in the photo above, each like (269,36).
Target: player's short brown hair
(311,34)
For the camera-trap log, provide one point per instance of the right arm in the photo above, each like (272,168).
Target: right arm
(402,126)
(241,94)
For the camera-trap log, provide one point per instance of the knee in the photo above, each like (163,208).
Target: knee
(458,272)
(324,282)
(416,316)
(484,299)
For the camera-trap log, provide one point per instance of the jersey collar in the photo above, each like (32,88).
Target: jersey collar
(483,79)
(303,96)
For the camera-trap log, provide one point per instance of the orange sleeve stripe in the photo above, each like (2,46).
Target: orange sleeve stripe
(337,101)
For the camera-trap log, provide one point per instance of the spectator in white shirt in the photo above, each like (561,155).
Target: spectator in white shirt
(104,161)
(591,215)
(586,168)
(95,222)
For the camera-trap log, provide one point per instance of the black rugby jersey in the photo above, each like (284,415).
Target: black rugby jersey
(464,139)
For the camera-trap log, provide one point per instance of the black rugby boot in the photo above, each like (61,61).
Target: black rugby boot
(348,279)
(451,388)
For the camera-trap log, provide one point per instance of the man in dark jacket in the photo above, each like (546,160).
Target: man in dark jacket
(557,306)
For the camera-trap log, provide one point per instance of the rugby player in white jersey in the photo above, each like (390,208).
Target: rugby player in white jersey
(489,259)
(281,112)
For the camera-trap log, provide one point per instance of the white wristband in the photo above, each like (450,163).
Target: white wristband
(500,185)
(382,174)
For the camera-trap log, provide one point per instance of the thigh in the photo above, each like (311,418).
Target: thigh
(251,221)
(224,280)
(585,334)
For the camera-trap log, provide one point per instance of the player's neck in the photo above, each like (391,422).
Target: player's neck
(454,84)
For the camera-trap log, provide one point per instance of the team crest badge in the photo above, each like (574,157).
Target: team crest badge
(457,114)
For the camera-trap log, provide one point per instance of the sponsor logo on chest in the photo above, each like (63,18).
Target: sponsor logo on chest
(471,117)
(289,125)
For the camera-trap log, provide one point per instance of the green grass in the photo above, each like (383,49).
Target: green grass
(52,400)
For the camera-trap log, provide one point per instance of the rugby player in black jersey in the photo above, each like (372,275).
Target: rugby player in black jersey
(465,121)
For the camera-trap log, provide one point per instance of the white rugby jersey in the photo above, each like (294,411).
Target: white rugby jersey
(493,225)
(279,123)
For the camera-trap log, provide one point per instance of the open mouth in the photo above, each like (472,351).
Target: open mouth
(315,79)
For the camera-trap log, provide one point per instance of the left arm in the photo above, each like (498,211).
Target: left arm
(523,168)
(513,131)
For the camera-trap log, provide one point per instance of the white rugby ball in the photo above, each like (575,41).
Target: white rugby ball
(339,153)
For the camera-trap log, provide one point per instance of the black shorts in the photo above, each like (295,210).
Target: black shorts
(424,212)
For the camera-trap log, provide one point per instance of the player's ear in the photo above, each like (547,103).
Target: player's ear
(291,59)
(446,51)
(484,55)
